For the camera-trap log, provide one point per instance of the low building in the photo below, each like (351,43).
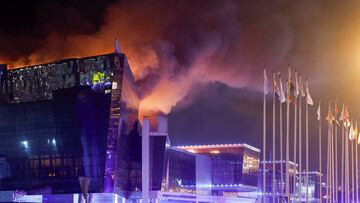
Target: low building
(234,167)
(280,178)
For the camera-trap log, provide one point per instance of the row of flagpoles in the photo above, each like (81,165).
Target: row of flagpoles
(350,138)
(297,93)
(294,94)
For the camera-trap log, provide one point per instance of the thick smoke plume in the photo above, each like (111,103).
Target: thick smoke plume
(172,46)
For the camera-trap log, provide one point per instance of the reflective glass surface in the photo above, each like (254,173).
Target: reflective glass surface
(70,118)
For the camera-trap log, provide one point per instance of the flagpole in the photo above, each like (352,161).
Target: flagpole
(327,165)
(342,162)
(330,159)
(352,165)
(300,140)
(356,167)
(307,148)
(352,171)
(320,161)
(281,152)
(336,155)
(282,99)
(287,142)
(295,139)
(264,138)
(274,150)
(347,165)
(332,164)
(336,164)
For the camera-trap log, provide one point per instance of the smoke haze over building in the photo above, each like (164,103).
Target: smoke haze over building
(203,52)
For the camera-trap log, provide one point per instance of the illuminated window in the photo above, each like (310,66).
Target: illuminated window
(98,77)
(250,165)
(25,144)
(53,141)
(215,152)
(114,85)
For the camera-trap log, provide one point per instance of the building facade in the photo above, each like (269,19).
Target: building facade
(205,173)
(70,118)
(79,118)
(234,167)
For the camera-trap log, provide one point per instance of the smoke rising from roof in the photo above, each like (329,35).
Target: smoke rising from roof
(172,46)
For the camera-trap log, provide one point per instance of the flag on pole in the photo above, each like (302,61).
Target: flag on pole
(297,92)
(341,118)
(346,118)
(282,97)
(351,132)
(330,117)
(356,132)
(336,108)
(336,111)
(302,91)
(318,112)
(266,82)
(308,96)
(291,88)
(275,86)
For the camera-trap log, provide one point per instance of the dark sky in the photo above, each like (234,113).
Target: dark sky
(200,61)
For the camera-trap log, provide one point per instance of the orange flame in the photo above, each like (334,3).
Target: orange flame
(138,34)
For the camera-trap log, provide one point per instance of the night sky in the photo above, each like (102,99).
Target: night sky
(200,61)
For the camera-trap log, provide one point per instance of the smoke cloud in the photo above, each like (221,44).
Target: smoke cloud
(173,47)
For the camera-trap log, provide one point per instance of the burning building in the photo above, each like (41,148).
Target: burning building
(78,117)
(70,118)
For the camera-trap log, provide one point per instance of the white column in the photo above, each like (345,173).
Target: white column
(145,163)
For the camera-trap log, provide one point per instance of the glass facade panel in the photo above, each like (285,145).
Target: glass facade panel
(47,142)
(182,171)
(55,121)
(227,169)
(231,163)
(157,151)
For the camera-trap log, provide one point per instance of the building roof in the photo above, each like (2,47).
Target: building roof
(243,145)
(37,82)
